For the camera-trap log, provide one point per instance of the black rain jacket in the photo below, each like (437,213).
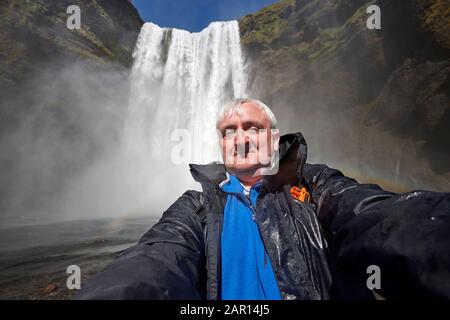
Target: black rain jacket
(318,250)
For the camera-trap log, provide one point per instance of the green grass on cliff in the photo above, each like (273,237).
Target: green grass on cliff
(267,24)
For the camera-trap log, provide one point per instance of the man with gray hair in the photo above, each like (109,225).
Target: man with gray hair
(267,225)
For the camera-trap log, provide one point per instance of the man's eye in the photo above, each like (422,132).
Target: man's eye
(252,130)
(229,133)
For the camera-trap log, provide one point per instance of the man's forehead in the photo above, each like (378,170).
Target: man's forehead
(250,112)
(250,107)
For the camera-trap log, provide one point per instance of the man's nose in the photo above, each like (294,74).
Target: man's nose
(241,137)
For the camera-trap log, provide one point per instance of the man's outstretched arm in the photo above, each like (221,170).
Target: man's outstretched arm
(406,235)
(167,263)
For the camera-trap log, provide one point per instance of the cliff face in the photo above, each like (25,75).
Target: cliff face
(34,33)
(370,98)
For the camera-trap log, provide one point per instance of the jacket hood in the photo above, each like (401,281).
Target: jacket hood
(293,152)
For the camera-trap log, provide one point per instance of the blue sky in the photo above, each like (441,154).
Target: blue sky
(195,15)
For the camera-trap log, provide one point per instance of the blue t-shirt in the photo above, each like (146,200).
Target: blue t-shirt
(246,270)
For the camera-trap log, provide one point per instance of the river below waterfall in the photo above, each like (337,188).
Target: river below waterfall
(34,259)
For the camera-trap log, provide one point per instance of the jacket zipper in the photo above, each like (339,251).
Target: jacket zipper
(249,202)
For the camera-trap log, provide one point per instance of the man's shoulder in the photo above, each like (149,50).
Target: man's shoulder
(196,197)
(190,200)
(313,172)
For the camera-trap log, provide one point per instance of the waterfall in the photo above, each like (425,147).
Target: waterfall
(179,81)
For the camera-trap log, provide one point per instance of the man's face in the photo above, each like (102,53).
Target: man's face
(246,141)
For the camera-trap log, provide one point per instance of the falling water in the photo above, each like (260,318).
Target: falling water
(179,81)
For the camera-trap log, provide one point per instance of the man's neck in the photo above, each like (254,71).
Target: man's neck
(249,181)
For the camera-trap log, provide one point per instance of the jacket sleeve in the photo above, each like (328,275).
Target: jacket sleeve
(406,235)
(167,262)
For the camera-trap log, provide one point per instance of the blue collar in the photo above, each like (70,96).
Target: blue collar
(233,185)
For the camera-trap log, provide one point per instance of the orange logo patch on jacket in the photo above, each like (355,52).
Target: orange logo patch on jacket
(300,194)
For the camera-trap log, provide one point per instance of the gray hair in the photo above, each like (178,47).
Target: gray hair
(235,107)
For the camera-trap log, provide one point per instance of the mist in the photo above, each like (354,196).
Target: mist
(73,117)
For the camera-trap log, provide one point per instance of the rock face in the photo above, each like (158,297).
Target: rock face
(374,102)
(34,35)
